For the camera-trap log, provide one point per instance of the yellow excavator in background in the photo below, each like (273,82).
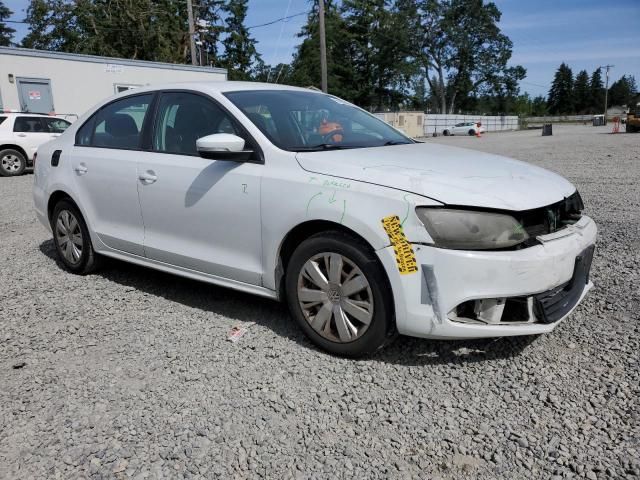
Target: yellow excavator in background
(633,119)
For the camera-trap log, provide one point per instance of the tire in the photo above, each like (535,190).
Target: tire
(471,132)
(375,304)
(12,163)
(77,256)
(446,133)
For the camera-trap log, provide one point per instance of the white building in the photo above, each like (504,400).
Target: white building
(69,84)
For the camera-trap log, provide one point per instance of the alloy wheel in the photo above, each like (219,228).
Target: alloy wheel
(335,297)
(69,236)
(11,163)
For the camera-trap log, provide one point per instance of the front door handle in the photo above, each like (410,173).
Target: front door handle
(148,177)
(81,169)
(22,134)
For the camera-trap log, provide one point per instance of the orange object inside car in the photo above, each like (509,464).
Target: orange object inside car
(328,127)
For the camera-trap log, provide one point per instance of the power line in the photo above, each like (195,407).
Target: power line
(278,20)
(281,19)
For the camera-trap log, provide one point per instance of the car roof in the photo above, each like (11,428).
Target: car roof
(219,87)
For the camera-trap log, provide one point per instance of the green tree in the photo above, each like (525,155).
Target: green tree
(382,46)
(561,95)
(623,91)
(210,13)
(539,106)
(240,57)
(461,43)
(341,74)
(6,32)
(596,86)
(582,93)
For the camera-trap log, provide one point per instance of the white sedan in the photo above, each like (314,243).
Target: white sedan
(20,136)
(292,194)
(464,128)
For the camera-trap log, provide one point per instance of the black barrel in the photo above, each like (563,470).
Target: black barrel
(547,129)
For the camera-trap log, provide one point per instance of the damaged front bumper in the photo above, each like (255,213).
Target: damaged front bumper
(475,294)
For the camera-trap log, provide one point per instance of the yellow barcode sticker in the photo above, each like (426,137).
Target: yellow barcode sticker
(405,256)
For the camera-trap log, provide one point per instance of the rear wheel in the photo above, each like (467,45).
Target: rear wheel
(12,163)
(71,239)
(446,133)
(471,132)
(338,293)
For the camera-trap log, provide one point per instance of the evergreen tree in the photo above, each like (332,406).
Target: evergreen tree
(597,91)
(6,32)
(623,91)
(240,57)
(209,12)
(341,75)
(539,106)
(561,97)
(582,93)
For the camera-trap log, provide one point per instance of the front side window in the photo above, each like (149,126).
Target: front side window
(118,125)
(29,125)
(182,118)
(303,121)
(56,125)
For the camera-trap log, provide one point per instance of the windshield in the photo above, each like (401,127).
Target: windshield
(303,121)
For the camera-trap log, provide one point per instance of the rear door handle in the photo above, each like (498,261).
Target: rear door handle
(148,177)
(22,134)
(81,169)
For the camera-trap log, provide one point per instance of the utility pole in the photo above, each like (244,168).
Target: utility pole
(323,47)
(192,32)
(606,90)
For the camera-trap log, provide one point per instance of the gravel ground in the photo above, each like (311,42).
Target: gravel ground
(128,373)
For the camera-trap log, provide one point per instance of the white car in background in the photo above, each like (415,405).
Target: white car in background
(464,128)
(20,136)
(293,194)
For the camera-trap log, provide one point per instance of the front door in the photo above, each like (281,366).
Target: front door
(35,95)
(199,214)
(104,162)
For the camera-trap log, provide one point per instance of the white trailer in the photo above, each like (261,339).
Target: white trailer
(68,84)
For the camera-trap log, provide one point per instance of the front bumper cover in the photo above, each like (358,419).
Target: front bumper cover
(448,278)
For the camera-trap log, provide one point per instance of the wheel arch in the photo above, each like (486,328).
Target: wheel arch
(300,233)
(18,148)
(55,197)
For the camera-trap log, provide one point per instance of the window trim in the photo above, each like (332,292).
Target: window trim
(92,119)
(45,127)
(254,144)
(149,125)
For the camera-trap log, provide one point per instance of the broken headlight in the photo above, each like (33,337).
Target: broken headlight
(471,230)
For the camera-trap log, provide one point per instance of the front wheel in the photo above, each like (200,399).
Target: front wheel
(12,163)
(446,133)
(471,132)
(338,293)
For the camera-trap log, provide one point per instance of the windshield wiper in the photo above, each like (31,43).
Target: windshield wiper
(395,142)
(321,146)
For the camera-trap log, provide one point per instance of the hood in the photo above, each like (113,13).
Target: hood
(451,175)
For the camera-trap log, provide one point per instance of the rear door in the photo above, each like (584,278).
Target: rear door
(104,162)
(30,132)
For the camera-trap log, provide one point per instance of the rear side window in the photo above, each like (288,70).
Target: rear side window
(117,125)
(29,125)
(56,125)
(2,119)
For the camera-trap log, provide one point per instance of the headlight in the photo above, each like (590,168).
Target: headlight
(470,230)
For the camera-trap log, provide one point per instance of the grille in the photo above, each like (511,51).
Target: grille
(554,304)
(554,217)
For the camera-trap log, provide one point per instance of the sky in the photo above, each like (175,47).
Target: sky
(583,33)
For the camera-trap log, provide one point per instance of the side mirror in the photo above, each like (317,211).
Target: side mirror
(223,146)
